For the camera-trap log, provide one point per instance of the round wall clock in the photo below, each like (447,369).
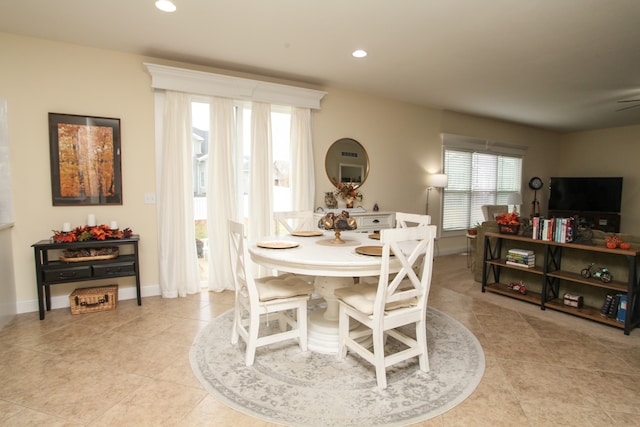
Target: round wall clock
(535,183)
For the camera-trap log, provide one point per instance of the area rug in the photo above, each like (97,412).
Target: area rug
(286,386)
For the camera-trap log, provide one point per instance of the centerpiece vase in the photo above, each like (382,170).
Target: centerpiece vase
(337,240)
(349,201)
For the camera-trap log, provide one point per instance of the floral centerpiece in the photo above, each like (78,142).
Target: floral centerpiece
(86,233)
(508,223)
(348,193)
(338,223)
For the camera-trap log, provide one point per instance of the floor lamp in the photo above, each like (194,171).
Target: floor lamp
(436,180)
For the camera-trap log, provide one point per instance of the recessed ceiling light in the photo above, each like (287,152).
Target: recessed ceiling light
(359,53)
(166,6)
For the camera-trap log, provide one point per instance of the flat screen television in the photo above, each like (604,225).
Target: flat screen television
(598,194)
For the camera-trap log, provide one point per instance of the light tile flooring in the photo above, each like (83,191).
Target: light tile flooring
(130,366)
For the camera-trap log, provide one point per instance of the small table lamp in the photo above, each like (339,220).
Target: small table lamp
(514,199)
(436,180)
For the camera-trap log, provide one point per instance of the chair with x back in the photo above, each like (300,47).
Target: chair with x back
(404,220)
(292,221)
(397,300)
(285,296)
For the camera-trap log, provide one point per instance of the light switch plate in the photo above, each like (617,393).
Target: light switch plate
(149,198)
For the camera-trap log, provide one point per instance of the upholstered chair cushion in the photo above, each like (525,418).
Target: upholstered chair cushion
(274,287)
(362,296)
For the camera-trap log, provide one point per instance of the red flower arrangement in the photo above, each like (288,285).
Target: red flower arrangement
(85,233)
(508,223)
(508,218)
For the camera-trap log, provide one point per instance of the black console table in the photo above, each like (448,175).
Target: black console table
(53,271)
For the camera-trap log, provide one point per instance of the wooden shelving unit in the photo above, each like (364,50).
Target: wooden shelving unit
(552,276)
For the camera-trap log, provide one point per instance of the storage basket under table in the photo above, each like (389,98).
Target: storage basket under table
(89,300)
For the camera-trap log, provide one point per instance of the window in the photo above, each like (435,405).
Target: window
(280,124)
(478,175)
(218,163)
(280,141)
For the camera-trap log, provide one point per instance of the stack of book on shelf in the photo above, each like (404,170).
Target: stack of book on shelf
(521,258)
(553,229)
(615,307)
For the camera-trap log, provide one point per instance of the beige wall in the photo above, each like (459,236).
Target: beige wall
(607,152)
(38,77)
(402,142)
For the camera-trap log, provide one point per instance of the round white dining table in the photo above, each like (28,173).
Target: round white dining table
(333,265)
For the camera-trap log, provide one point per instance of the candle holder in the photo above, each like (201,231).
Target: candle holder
(338,223)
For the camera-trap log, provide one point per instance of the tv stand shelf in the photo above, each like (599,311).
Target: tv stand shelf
(607,222)
(551,276)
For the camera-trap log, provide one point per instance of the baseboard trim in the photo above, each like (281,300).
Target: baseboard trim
(61,301)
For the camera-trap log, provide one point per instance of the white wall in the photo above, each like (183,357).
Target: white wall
(7,285)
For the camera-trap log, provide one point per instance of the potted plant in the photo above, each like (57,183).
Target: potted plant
(473,231)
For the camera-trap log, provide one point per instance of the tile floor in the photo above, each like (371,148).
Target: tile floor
(130,366)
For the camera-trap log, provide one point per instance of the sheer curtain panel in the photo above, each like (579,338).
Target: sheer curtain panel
(176,234)
(260,172)
(222,201)
(302,172)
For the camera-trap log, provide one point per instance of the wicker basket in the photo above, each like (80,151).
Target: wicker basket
(509,228)
(89,300)
(89,254)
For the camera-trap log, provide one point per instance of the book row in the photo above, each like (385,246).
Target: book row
(615,307)
(553,229)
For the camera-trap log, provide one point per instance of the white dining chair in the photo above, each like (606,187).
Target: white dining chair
(292,221)
(404,220)
(273,298)
(395,301)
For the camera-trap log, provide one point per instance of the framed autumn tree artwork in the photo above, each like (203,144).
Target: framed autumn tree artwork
(85,160)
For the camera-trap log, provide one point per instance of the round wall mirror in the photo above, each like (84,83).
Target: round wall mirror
(347,161)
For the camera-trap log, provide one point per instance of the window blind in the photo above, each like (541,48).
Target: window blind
(480,173)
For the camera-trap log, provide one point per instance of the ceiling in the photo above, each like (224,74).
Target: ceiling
(561,65)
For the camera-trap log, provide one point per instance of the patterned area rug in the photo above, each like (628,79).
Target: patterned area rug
(288,387)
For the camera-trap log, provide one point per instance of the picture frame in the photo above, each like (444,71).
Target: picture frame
(85,160)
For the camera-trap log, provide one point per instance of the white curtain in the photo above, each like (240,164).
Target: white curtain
(302,172)
(260,171)
(222,189)
(176,235)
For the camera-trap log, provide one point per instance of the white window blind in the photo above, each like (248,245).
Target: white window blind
(480,173)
